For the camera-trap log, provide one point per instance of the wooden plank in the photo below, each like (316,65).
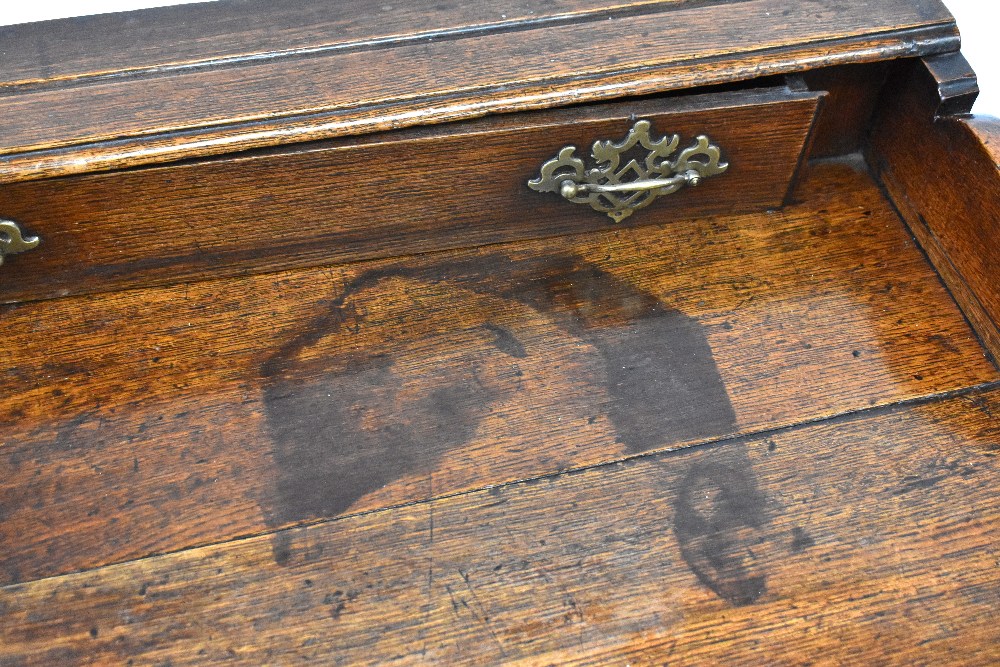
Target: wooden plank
(407,192)
(153,420)
(231,31)
(866,540)
(955,213)
(333,94)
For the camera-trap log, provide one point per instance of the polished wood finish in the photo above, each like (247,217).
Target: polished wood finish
(399,193)
(943,174)
(106,123)
(234,32)
(865,540)
(368,399)
(154,420)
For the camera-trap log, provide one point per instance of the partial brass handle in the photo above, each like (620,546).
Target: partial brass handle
(13,240)
(620,190)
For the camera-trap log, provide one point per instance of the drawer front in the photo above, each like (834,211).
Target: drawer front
(387,195)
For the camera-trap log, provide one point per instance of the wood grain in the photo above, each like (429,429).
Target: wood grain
(852,96)
(232,32)
(400,193)
(955,212)
(867,540)
(278,101)
(987,129)
(153,420)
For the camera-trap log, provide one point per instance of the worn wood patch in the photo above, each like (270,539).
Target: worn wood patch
(868,540)
(155,420)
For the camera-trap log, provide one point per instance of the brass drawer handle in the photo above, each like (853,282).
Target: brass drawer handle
(620,190)
(13,240)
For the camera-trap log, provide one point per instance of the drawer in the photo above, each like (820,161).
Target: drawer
(397,193)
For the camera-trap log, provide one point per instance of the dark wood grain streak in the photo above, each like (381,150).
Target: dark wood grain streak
(868,540)
(457,186)
(954,211)
(153,420)
(282,101)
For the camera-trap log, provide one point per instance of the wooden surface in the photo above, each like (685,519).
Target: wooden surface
(763,437)
(234,32)
(852,96)
(395,194)
(954,210)
(987,130)
(158,115)
(865,540)
(155,420)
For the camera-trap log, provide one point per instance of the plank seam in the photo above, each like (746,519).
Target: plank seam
(839,418)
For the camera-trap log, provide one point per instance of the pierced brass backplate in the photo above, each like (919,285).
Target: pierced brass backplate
(13,240)
(620,190)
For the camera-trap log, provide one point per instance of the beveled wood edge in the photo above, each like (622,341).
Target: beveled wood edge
(220,140)
(688,101)
(938,95)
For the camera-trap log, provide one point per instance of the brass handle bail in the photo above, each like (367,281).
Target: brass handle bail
(570,189)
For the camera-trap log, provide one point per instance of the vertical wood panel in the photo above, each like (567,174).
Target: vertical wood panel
(945,179)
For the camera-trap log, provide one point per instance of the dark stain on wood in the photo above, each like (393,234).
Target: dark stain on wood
(351,431)
(345,425)
(506,341)
(801,540)
(172,376)
(659,368)
(679,392)
(720,519)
